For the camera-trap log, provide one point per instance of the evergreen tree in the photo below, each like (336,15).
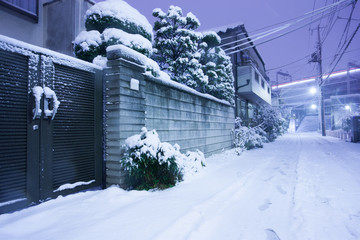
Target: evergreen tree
(176,47)
(217,67)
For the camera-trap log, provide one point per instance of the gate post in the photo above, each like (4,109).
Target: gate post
(124,108)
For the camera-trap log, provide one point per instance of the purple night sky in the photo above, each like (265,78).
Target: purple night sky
(256,14)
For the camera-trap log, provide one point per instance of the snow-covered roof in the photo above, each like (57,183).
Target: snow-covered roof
(225,27)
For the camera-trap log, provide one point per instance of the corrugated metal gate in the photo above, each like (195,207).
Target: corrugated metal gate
(46,151)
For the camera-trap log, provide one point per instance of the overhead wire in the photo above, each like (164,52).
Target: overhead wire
(347,45)
(259,36)
(278,36)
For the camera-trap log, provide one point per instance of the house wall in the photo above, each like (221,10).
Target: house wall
(59,22)
(179,114)
(16,25)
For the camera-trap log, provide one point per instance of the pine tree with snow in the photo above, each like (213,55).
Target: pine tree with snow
(217,67)
(113,22)
(176,47)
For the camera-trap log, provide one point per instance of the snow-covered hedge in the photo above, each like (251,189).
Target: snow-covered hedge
(88,45)
(113,36)
(117,14)
(150,163)
(109,23)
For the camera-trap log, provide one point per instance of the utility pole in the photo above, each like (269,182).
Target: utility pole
(317,57)
(322,105)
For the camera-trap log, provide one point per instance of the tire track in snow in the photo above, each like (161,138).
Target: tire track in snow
(205,211)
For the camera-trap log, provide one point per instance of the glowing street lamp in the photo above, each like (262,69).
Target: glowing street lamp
(312,90)
(347,107)
(313,106)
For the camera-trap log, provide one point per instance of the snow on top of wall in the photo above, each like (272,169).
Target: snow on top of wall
(226,27)
(23,48)
(117,51)
(121,10)
(164,78)
(100,61)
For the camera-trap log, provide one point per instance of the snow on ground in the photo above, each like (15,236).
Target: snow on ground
(302,186)
(309,124)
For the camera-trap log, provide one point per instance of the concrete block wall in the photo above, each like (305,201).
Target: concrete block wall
(192,121)
(177,113)
(124,111)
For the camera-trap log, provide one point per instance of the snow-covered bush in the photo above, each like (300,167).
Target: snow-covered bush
(117,14)
(150,163)
(248,138)
(88,45)
(269,119)
(113,22)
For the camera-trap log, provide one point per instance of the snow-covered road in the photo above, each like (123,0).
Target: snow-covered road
(302,186)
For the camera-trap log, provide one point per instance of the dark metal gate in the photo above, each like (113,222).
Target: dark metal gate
(50,126)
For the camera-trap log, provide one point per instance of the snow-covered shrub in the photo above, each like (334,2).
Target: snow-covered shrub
(117,14)
(150,163)
(248,138)
(88,45)
(113,36)
(269,119)
(109,23)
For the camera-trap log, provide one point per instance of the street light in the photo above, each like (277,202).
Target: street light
(312,90)
(347,107)
(313,106)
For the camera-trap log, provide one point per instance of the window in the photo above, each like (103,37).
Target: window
(257,77)
(268,90)
(26,7)
(262,83)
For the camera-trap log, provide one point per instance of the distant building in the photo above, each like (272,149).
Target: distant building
(51,24)
(341,96)
(251,82)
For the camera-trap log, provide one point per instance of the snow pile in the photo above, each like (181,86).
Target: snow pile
(116,51)
(100,61)
(145,151)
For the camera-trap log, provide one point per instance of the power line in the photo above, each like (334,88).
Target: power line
(276,37)
(347,45)
(277,29)
(258,38)
(290,63)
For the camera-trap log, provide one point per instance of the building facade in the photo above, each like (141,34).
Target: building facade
(251,82)
(341,96)
(52,24)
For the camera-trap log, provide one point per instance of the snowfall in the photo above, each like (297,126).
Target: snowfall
(302,186)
